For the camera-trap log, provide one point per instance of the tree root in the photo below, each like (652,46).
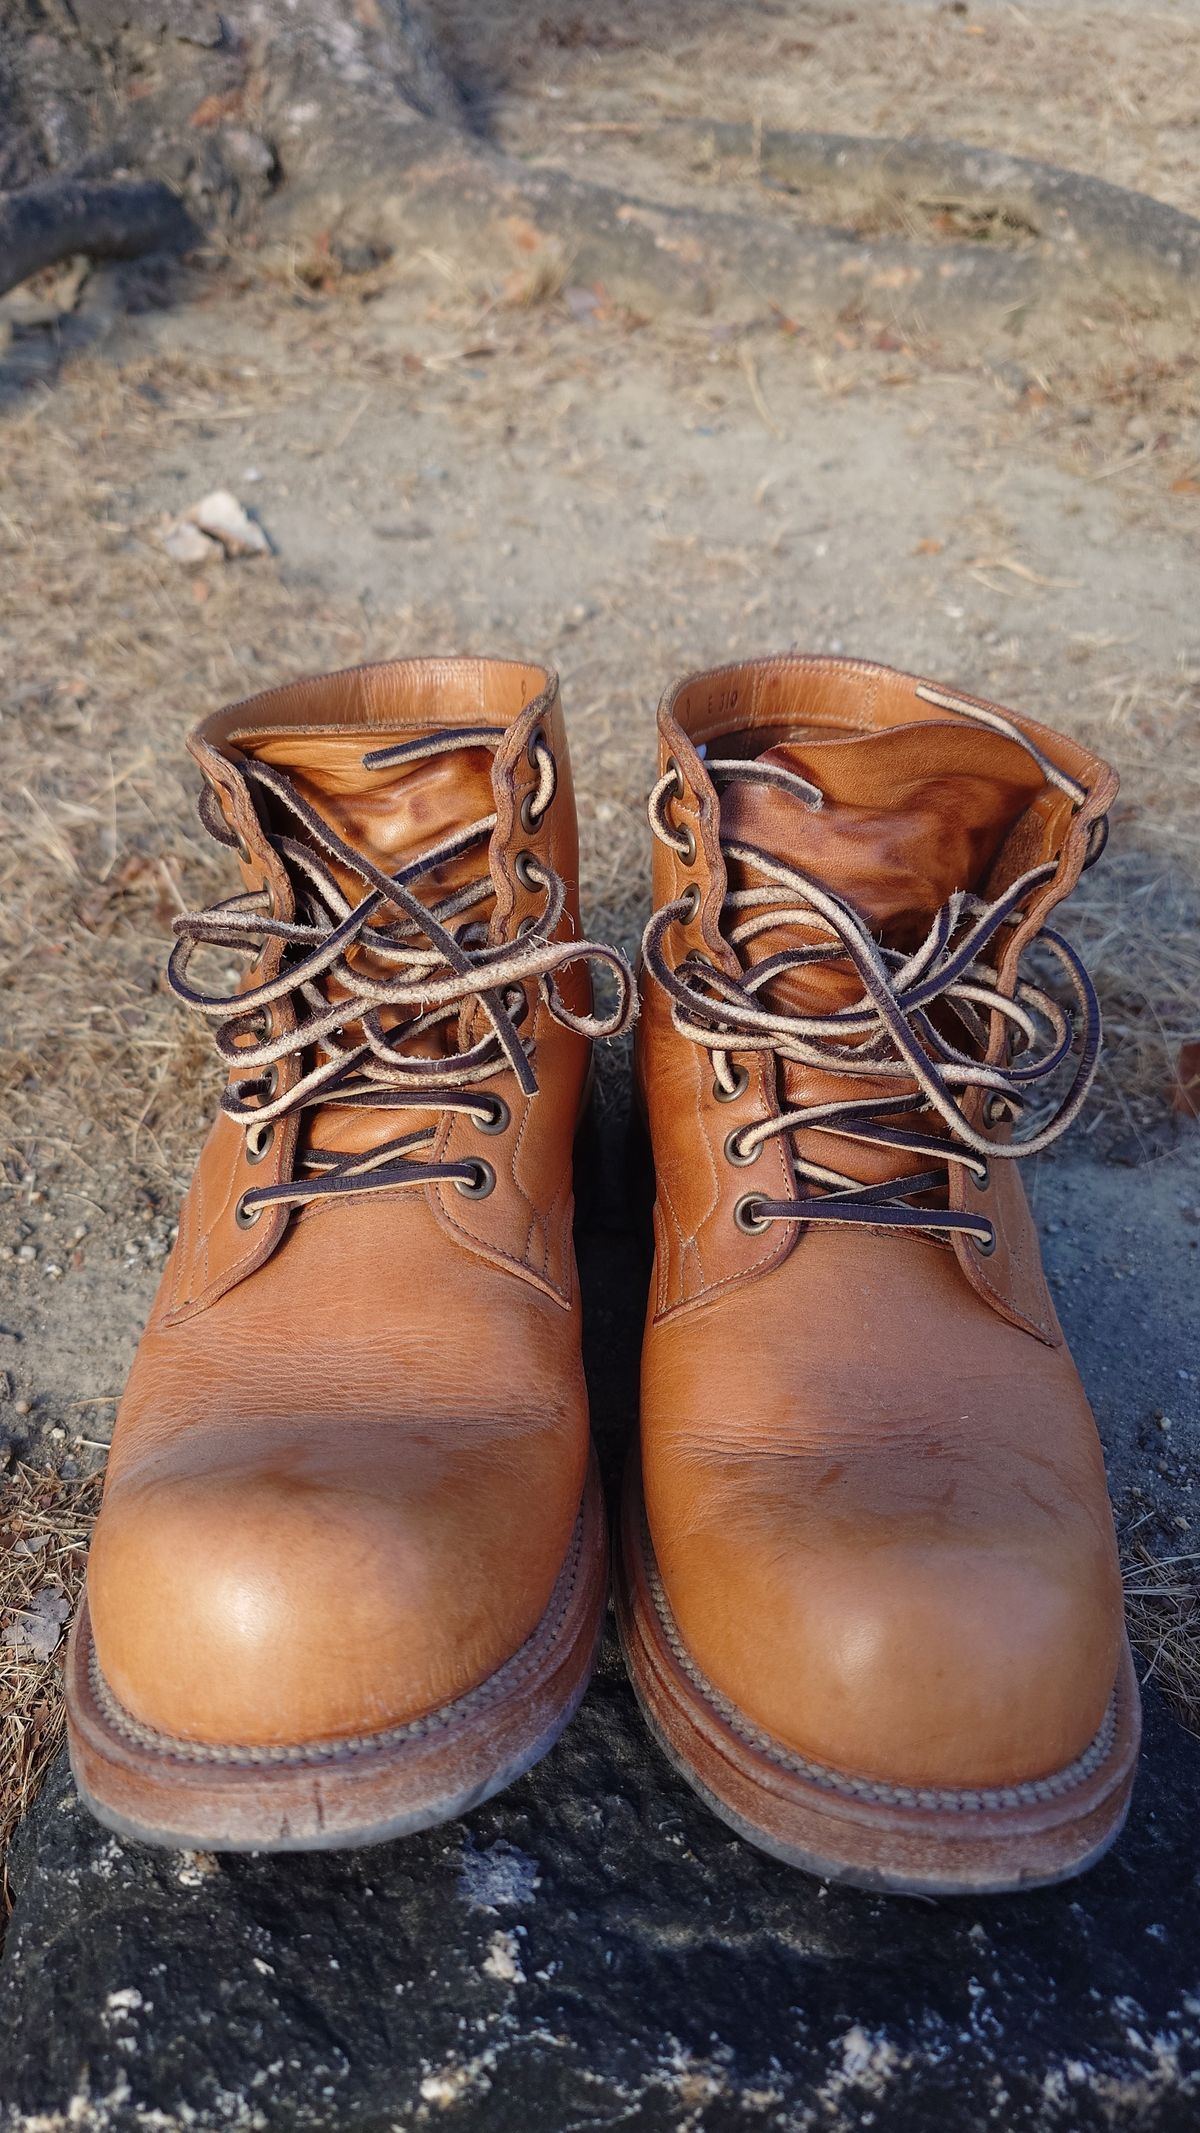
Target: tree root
(46,223)
(1001,246)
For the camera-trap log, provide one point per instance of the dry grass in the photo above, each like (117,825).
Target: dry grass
(1162,1602)
(1095,87)
(108,646)
(45,1521)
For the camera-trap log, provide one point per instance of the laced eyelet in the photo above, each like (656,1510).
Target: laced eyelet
(981,1176)
(1097,839)
(529,820)
(242,849)
(682,834)
(258,1141)
(537,739)
(498,1118)
(995,1110)
(736,1153)
(690,901)
(748,1221)
(268,1083)
(741,1080)
(984,1247)
(483,1182)
(522,868)
(244,1216)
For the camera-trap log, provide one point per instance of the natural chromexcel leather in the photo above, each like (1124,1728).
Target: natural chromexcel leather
(351,1453)
(873,1484)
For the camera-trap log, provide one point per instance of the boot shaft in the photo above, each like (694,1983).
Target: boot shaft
(409,856)
(857,820)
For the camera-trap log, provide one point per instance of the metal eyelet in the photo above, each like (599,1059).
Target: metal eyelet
(736,1153)
(750,1223)
(1096,841)
(981,1178)
(537,739)
(529,821)
(526,925)
(690,901)
(258,1141)
(984,1250)
(522,865)
(244,1216)
(995,1110)
(741,1081)
(498,1119)
(675,772)
(242,848)
(687,844)
(483,1182)
(268,1082)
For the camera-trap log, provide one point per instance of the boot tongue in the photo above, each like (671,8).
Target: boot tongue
(390,816)
(908,816)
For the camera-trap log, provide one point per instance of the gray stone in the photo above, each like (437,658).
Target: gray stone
(593,1949)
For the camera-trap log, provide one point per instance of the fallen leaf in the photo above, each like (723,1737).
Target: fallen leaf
(1185,1095)
(929,547)
(1187,485)
(35,1631)
(212,109)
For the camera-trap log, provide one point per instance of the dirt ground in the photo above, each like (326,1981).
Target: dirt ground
(519,467)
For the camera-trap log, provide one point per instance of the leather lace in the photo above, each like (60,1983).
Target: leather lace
(888,1033)
(435,960)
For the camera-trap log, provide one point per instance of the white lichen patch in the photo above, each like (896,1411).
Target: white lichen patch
(499,1878)
(445,2086)
(503,1959)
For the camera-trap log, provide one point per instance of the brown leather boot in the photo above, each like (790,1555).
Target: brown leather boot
(349,1573)
(870,1596)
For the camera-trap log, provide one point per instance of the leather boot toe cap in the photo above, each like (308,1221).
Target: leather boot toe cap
(952,1666)
(309,1595)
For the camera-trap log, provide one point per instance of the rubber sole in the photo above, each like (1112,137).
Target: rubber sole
(840,1827)
(335,1794)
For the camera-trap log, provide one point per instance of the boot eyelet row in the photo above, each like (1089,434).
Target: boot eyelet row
(483,1182)
(686,836)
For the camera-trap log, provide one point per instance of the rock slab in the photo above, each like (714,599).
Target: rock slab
(593,1949)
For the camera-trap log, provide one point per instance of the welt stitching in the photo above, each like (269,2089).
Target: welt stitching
(523,1662)
(962,1799)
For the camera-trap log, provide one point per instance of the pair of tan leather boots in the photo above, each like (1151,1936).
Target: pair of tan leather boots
(350,1571)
